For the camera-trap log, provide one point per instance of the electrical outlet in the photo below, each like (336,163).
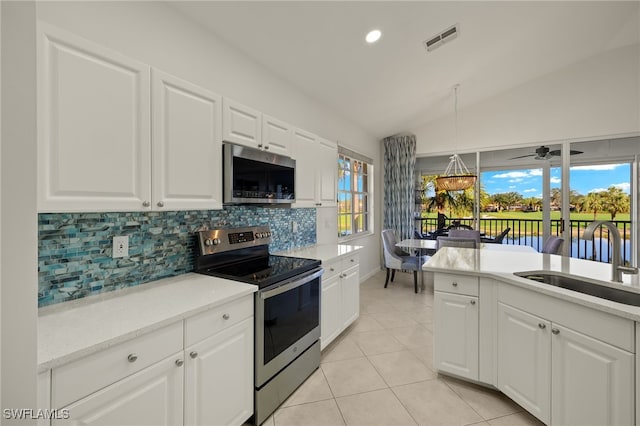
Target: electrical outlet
(294,227)
(120,247)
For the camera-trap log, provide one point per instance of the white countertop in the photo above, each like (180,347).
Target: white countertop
(501,264)
(75,329)
(322,252)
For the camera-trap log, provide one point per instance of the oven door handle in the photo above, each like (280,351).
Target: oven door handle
(289,285)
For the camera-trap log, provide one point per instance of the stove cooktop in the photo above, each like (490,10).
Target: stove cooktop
(263,271)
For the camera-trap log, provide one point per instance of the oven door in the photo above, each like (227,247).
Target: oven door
(287,322)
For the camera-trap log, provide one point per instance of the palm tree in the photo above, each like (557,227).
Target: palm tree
(593,202)
(614,201)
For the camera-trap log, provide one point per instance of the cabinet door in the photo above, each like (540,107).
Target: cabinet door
(241,124)
(592,381)
(524,360)
(277,136)
(219,377)
(456,334)
(331,318)
(152,396)
(94,147)
(328,173)
(306,149)
(187,145)
(350,295)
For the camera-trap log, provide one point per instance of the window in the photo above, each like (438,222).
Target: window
(354,193)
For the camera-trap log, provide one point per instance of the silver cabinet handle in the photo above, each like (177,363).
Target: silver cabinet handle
(542,326)
(179,362)
(132,357)
(193,354)
(455,284)
(146,204)
(555,331)
(473,302)
(160,204)
(225,316)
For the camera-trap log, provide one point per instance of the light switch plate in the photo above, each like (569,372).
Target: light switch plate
(120,247)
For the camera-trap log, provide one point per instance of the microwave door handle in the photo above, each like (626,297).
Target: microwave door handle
(290,285)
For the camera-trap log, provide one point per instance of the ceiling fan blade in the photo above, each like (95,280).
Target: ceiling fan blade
(556,152)
(523,156)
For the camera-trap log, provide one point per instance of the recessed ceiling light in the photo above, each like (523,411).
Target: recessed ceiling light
(373,36)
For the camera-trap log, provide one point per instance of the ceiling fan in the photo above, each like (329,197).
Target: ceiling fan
(543,153)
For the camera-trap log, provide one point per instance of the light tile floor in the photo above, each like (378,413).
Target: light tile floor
(379,372)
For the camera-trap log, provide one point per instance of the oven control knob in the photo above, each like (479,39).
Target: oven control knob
(259,234)
(208,242)
(216,241)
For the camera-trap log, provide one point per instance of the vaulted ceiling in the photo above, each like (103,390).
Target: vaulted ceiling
(395,85)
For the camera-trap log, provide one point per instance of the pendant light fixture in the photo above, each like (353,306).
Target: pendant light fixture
(456,177)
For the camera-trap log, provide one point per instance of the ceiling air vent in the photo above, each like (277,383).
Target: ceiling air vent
(445,36)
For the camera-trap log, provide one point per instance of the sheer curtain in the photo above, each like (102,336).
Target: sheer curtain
(399,184)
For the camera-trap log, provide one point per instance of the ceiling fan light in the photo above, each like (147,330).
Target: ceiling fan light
(373,36)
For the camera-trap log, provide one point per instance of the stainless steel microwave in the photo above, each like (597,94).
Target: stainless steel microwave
(253,176)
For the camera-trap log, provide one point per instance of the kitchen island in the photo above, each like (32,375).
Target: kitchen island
(566,357)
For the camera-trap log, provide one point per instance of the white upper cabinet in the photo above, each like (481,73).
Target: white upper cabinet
(277,136)
(94,144)
(246,126)
(96,150)
(328,174)
(187,145)
(306,149)
(316,170)
(241,124)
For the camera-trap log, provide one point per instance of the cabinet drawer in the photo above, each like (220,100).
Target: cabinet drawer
(331,269)
(80,378)
(457,284)
(210,322)
(349,261)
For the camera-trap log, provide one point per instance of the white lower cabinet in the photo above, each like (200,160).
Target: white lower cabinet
(585,369)
(195,372)
(340,297)
(152,396)
(456,325)
(456,334)
(524,355)
(561,376)
(219,377)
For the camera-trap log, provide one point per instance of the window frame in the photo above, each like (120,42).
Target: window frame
(346,156)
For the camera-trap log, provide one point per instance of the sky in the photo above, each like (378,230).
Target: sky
(584,179)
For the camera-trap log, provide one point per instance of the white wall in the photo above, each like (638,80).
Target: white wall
(158,35)
(594,98)
(18,220)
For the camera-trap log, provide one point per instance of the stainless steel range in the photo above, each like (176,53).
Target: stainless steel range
(287,308)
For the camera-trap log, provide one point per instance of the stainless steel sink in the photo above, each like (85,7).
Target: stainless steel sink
(586,287)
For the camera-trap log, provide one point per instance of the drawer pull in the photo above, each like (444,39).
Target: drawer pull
(473,302)
(193,355)
(455,284)
(555,331)
(225,316)
(179,362)
(132,358)
(542,326)
(353,260)
(331,269)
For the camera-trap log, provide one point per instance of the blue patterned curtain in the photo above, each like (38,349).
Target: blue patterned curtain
(399,184)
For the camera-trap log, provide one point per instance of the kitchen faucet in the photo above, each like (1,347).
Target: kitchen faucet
(617,268)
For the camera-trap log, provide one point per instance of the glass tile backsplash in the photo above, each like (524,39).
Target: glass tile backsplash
(74,249)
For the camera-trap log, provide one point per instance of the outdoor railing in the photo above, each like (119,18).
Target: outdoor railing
(529,232)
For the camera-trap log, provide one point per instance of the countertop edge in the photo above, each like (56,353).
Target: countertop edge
(59,360)
(614,308)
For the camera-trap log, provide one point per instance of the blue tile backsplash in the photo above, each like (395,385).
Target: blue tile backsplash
(74,249)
